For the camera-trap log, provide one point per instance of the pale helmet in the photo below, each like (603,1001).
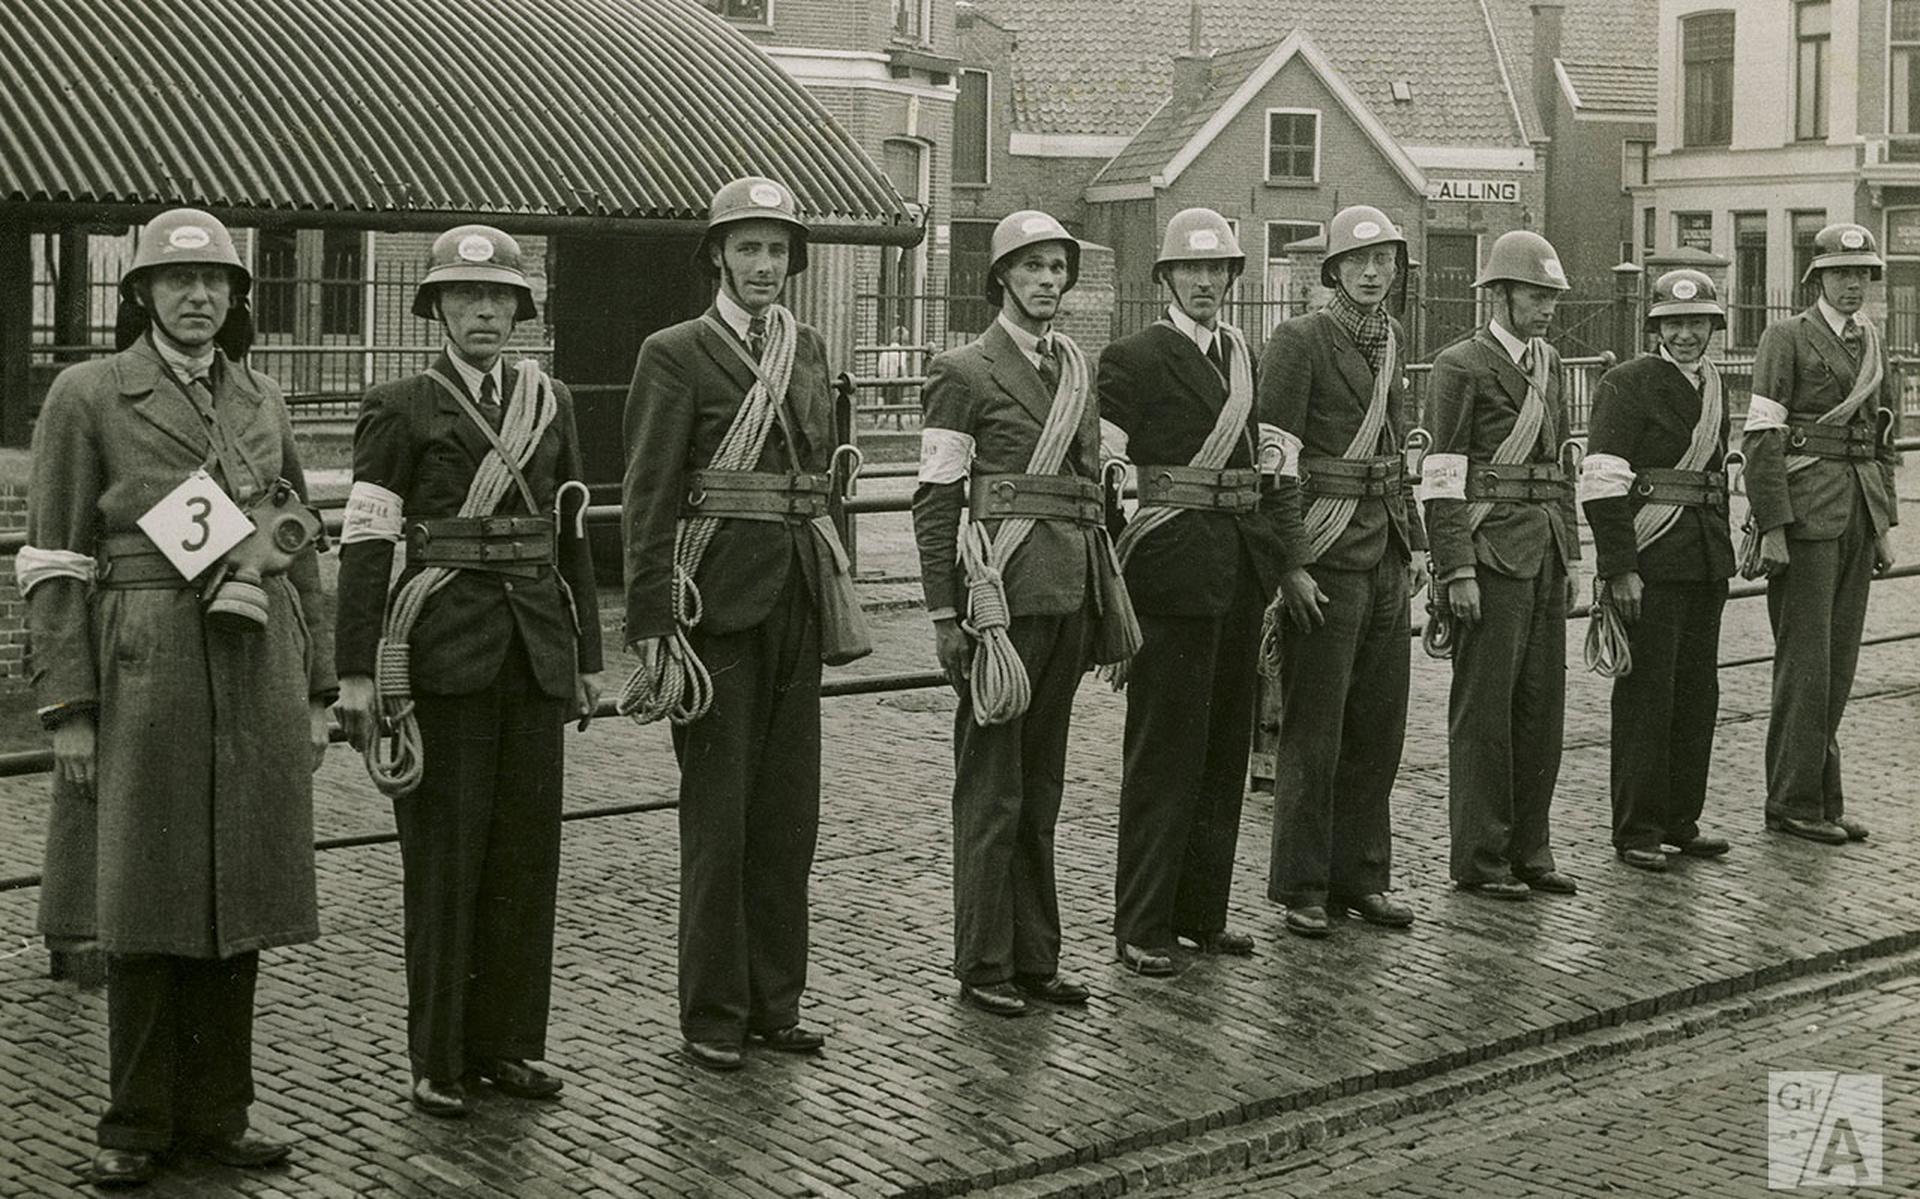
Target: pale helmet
(1523,256)
(1357,228)
(1686,292)
(1844,244)
(1201,235)
(182,236)
(1018,230)
(755,198)
(474,254)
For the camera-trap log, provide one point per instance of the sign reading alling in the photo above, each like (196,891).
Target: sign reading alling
(1477,191)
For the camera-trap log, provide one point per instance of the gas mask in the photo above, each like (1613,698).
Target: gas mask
(283,526)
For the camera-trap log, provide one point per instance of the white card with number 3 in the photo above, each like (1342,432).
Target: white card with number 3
(195,524)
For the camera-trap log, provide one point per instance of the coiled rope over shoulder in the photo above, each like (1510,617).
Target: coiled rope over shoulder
(395,757)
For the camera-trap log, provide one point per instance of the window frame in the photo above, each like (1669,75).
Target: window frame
(1897,47)
(1266,164)
(986,130)
(1747,298)
(922,11)
(1274,251)
(763,21)
(1636,162)
(1681,217)
(1691,134)
(1821,122)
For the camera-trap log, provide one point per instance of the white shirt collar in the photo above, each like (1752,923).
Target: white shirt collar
(1690,369)
(471,376)
(1029,343)
(1199,334)
(1834,318)
(1514,347)
(187,366)
(734,313)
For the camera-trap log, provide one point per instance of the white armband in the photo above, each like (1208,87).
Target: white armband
(1279,452)
(1763,413)
(946,455)
(33,566)
(373,514)
(1113,442)
(1604,476)
(1443,477)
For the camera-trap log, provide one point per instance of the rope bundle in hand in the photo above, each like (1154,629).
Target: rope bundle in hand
(1609,653)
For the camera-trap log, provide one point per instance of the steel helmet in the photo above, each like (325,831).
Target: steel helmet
(1523,256)
(1200,235)
(1686,292)
(185,235)
(1017,231)
(1356,228)
(474,254)
(755,198)
(1844,244)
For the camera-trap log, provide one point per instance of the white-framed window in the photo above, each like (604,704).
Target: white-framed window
(745,12)
(1903,67)
(973,130)
(1287,283)
(1706,67)
(1813,48)
(913,20)
(1293,145)
(1636,157)
(1693,230)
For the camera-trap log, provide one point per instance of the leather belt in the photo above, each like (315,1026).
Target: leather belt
(516,545)
(1040,497)
(1688,488)
(1353,478)
(131,562)
(757,495)
(1849,442)
(1516,482)
(1233,490)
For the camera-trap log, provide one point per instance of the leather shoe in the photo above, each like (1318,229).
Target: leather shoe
(1001,999)
(448,1100)
(1855,830)
(714,1055)
(1645,859)
(1233,944)
(1051,988)
(1378,909)
(511,1076)
(1705,847)
(1826,832)
(1500,888)
(1309,920)
(245,1150)
(1552,882)
(792,1039)
(1153,963)
(121,1168)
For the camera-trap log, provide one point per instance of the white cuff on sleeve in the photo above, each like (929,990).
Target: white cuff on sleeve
(1113,441)
(1763,413)
(1604,476)
(946,455)
(1443,477)
(373,514)
(1279,452)
(33,566)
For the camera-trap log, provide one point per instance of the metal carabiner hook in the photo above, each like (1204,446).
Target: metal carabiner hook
(565,489)
(854,462)
(1573,452)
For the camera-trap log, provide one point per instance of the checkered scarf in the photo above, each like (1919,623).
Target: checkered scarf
(1367,326)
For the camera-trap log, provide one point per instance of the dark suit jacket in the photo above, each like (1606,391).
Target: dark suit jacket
(414,440)
(989,390)
(1800,363)
(1316,384)
(687,388)
(1158,388)
(1644,411)
(1473,398)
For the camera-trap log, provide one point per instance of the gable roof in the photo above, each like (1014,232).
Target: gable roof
(1102,67)
(1609,89)
(1178,132)
(1591,31)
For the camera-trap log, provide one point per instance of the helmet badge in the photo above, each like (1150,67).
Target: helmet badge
(475,248)
(1685,289)
(1366,229)
(1035,224)
(189,237)
(1852,239)
(766,195)
(1554,270)
(1203,239)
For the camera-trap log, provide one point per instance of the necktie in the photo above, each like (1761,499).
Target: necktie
(489,402)
(1526,362)
(1850,338)
(1217,354)
(1049,364)
(757,336)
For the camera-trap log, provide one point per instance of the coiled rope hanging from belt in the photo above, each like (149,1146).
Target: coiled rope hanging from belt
(677,686)
(396,759)
(1609,653)
(999,685)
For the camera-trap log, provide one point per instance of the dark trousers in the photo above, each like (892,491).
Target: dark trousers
(1664,714)
(1007,780)
(1505,717)
(1817,608)
(749,817)
(1190,700)
(480,844)
(179,1048)
(1343,718)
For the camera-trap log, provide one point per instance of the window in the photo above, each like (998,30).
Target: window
(1904,68)
(910,19)
(342,275)
(972,128)
(1813,43)
(276,263)
(1635,162)
(1706,53)
(1749,277)
(1693,230)
(1805,225)
(1286,284)
(747,12)
(1293,145)
(971,244)
(1649,222)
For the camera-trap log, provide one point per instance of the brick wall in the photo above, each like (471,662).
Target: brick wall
(13,609)
(1087,311)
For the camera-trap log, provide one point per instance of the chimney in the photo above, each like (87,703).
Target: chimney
(1547,16)
(1192,71)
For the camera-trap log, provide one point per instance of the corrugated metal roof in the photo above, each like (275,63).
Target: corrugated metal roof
(525,108)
